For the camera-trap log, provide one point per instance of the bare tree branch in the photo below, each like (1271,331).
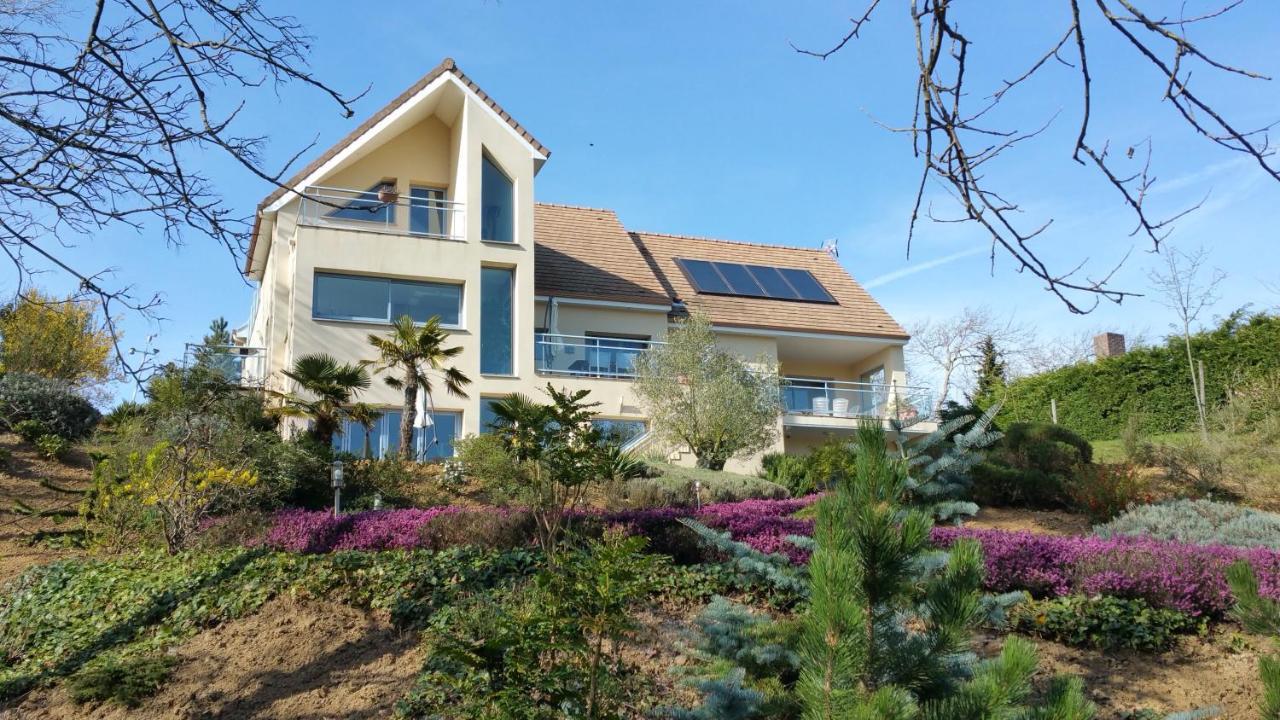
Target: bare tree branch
(953,139)
(106,112)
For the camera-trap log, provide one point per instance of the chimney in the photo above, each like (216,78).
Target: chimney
(1107,345)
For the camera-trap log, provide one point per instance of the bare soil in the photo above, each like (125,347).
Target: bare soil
(292,661)
(21,482)
(1047,522)
(1218,670)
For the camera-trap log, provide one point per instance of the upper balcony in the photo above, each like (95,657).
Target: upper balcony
(425,212)
(239,365)
(586,356)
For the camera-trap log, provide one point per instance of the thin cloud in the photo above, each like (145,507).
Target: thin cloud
(913,269)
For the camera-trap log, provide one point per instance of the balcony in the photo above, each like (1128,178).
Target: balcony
(804,398)
(423,213)
(585,356)
(242,366)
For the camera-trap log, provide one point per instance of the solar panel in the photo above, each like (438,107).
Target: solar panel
(724,278)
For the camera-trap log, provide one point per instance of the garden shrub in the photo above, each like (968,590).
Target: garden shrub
(1102,622)
(30,430)
(1202,522)
(52,403)
(1104,491)
(53,447)
(551,649)
(487,528)
(789,471)
(672,485)
(1031,466)
(122,680)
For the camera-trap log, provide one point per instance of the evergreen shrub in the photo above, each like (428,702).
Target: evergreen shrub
(1031,466)
(1097,400)
(1201,522)
(53,403)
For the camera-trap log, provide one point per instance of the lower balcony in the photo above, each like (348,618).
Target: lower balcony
(807,401)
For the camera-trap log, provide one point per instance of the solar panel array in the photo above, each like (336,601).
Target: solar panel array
(763,281)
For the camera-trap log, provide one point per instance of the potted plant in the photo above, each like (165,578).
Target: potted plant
(387,194)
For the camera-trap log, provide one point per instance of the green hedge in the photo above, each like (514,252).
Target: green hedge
(1151,385)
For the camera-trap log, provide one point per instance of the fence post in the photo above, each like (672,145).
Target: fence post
(1053,409)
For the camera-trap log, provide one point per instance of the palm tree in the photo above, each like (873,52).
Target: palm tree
(329,385)
(366,416)
(413,350)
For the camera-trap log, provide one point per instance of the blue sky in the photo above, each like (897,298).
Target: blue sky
(699,118)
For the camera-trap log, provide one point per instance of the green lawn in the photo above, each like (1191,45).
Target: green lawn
(1112,451)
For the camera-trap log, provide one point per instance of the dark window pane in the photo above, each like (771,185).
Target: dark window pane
(497,203)
(740,280)
(704,276)
(427,212)
(495,321)
(619,432)
(422,301)
(345,297)
(771,280)
(805,284)
(362,206)
(487,416)
(435,442)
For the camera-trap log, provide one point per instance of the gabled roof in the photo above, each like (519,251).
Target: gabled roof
(855,311)
(586,253)
(446,66)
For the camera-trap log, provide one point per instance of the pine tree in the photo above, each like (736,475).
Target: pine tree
(1258,615)
(887,630)
(992,372)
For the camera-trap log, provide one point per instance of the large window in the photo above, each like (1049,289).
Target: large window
(497,203)
(352,297)
(383,439)
(496,336)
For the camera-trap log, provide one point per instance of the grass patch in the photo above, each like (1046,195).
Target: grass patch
(1112,451)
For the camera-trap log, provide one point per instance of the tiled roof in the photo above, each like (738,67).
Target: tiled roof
(586,253)
(856,313)
(446,66)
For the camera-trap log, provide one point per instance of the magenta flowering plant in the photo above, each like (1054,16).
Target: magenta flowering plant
(1179,576)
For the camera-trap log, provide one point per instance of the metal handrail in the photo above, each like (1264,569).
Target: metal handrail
(244,365)
(600,355)
(319,202)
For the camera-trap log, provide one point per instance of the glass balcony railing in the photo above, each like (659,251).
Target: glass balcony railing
(243,366)
(424,212)
(587,356)
(840,399)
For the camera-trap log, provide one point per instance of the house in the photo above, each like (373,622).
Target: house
(427,208)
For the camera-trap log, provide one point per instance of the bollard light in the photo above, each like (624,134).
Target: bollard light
(697,494)
(335,475)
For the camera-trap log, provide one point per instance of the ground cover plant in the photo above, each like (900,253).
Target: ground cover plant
(1202,522)
(1103,621)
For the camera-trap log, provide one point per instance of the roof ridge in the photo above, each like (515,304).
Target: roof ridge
(748,243)
(575,207)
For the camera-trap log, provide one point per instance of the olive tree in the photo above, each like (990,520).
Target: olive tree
(701,396)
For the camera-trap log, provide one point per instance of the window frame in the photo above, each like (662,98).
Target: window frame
(388,281)
(444,211)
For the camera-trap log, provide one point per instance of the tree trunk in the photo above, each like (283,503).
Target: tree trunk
(1201,416)
(406,416)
